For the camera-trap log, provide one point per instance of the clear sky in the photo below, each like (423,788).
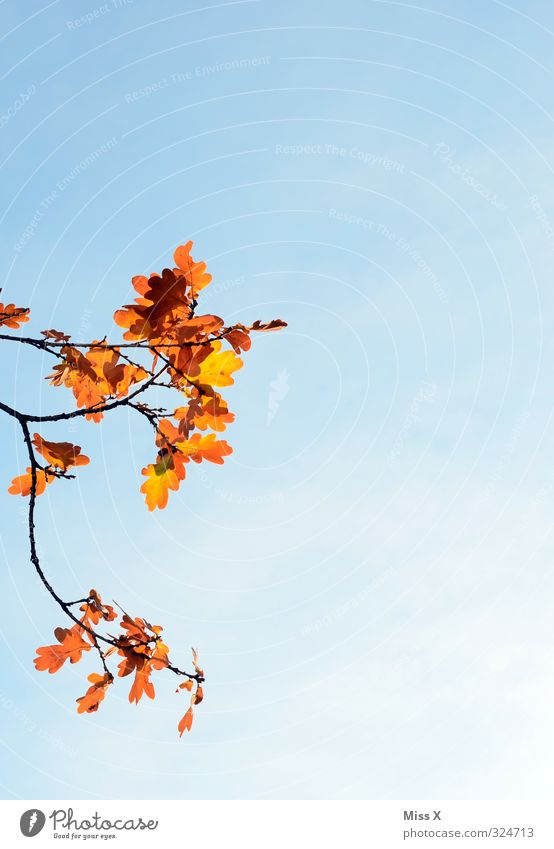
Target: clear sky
(369,577)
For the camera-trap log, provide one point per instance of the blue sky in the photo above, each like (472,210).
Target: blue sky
(369,576)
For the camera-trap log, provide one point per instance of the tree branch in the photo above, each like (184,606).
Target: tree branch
(66,606)
(99,408)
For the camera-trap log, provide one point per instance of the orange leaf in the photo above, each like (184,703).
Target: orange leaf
(239,339)
(95,376)
(90,702)
(159,658)
(22,484)
(164,300)
(161,477)
(12,316)
(200,448)
(186,722)
(130,663)
(94,610)
(195,272)
(142,684)
(205,411)
(167,434)
(136,628)
(63,455)
(71,646)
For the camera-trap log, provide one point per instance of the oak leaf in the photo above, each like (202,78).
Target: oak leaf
(186,722)
(23,483)
(164,301)
(239,339)
(136,628)
(90,702)
(140,665)
(217,368)
(94,610)
(204,411)
(200,448)
(70,646)
(62,455)
(12,316)
(195,272)
(96,376)
(161,477)
(56,335)
(275,324)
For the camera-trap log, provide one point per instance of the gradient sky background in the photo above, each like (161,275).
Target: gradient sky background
(369,578)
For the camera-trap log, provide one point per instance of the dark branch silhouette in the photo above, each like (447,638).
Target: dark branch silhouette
(186,358)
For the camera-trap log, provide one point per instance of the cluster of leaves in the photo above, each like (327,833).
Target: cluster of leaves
(60,456)
(186,354)
(194,355)
(12,316)
(140,645)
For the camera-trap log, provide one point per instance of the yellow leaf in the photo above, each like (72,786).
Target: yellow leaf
(161,477)
(216,369)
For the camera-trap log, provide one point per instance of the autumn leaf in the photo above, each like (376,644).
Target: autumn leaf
(239,339)
(77,373)
(186,362)
(72,642)
(60,455)
(276,324)
(200,448)
(189,354)
(161,477)
(131,661)
(70,646)
(160,656)
(63,455)
(216,370)
(94,610)
(12,316)
(186,722)
(136,628)
(208,410)
(195,272)
(140,665)
(196,328)
(90,702)
(74,366)
(56,335)
(112,376)
(167,435)
(169,471)
(22,484)
(50,658)
(164,298)
(96,376)
(142,685)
